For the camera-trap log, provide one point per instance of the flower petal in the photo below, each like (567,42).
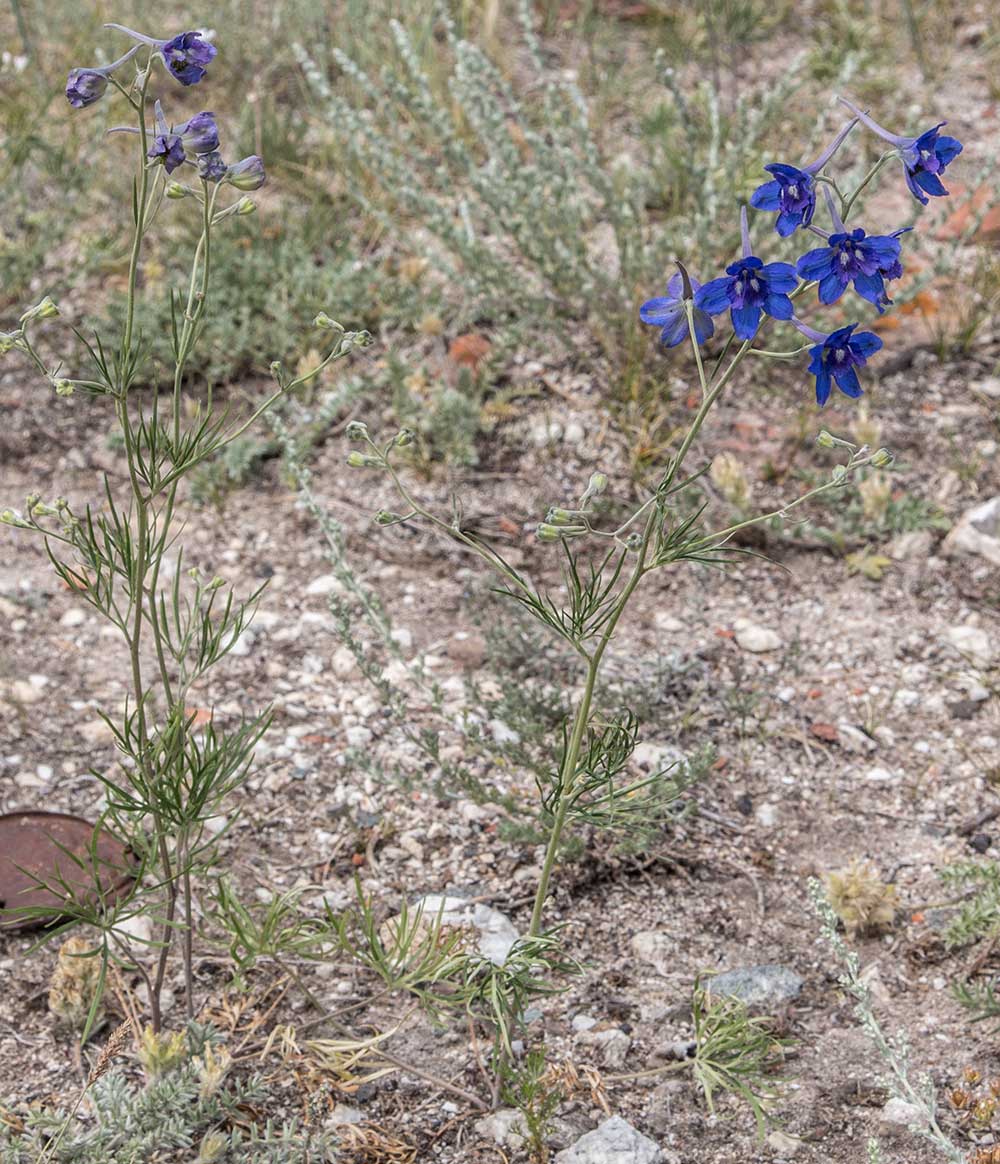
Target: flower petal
(767,197)
(778,306)
(660,311)
(847,382)
(815,264)
(713,296)
(822,385)
(746,320)
(781,276)
(865,344)
(832,286)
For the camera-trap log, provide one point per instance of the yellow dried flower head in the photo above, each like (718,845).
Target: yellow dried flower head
(863,902)
(212,1148)
(75,981)
(160,1053)
(213,1067)
(876,493)
(729,474)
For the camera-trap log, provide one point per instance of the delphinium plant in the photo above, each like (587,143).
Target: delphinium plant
(603,565)
(124,555)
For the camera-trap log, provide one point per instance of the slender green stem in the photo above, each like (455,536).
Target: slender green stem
(849,204)
(568,769)
(141,196)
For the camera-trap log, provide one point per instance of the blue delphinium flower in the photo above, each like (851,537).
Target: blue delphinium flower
(85,86)
(247,174)
(750,288)
(186,55)
(924,158)
(211,166)
(669,314)
(200,135)
(836,357)
(852,256)
(168,145)
(792,192)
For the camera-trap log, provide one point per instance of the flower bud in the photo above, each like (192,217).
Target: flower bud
(357,430)
(881,458)
(326,323)
(44,310)
(216,584)
(826,440)
(9,517)
(634,542)
(548,533)
(32,500)
(597,484)
(245,206)
(386,517)
(839,473)
(248,174)
(64,387)
(562,517)
(42,510)
(403,438)
(176,190)
(85,86)
(8,340)
(358,460)
(211,167)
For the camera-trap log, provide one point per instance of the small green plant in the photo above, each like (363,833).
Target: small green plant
(192,1102)
(893,1051)
(175,772)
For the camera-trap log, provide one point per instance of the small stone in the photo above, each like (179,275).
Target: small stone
(325,584)
(767,815)
(504,1127)
(467,650)
(854,739)
(574,433)
(23,691)
(756,639)
(654,757)
(496,931)
(784,1144)
(758,987)
(977,532)
(880,776)
(583,1022)
(667,622)
(972,643)
(657,949)
(73,617)
(343,1113)
(358,737)
(614,1044)
(96,732)
(402,637)
(989,387)
(915,544)
(343,663)
(899,1116)
(613,1142)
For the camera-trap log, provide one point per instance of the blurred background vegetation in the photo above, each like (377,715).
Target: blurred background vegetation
(501,176)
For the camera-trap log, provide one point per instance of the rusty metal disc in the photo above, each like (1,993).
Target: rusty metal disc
(35,846)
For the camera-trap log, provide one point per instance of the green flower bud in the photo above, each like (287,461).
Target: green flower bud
(357,430)
(839,473)
(9,517)
(385,517)
(557,516)
(216,584)
(597,484)
(363,461)
(548,533)
(44,310)
(881,458)
(634,542)
(8,340)
(64,387)
(403,438)
(245,206)
(326,323)
(43,510)
(176,190)
(826,440)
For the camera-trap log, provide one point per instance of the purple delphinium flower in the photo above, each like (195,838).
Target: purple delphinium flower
(211,166)
(200,134)
(836,357)
(792,192)
(247,174)
(924,158)
(85,86)
(186,55)
(168,145)
(669,314)
(853,256)
(750,288)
